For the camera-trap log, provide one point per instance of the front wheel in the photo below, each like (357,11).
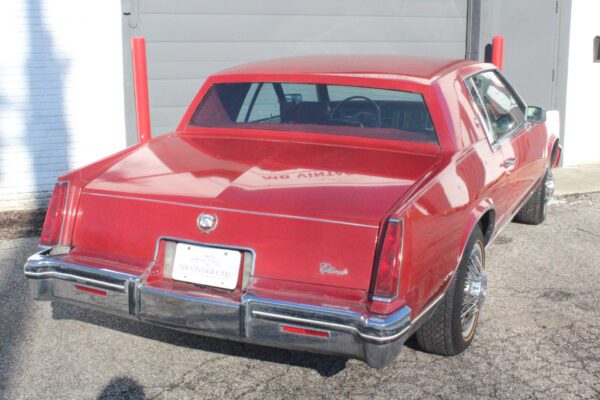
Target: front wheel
(534,211)
(451,328)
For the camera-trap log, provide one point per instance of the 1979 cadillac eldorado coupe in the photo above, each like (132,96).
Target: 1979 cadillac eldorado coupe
(334,204)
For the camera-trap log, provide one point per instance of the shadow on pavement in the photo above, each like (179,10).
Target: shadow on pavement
(14,310)
(122,388)
(324,365)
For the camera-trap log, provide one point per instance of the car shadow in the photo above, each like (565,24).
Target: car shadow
(324,365)
(122,388)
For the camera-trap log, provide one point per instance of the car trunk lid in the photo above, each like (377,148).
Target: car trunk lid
(309,212)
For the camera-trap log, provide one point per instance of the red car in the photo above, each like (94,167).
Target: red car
(334,204)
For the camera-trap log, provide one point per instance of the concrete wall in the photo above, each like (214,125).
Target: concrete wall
(61,93)
(187,40)
(582,131)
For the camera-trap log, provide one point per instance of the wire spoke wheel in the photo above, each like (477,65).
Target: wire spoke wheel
(474,291)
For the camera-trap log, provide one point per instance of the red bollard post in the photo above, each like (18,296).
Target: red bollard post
(140,81)
(498,51)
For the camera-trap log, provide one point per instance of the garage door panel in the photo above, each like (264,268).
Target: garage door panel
(187,40)
(238,53)
(269,28)
(187,69)
(167,118)
(425,8)
(172,92)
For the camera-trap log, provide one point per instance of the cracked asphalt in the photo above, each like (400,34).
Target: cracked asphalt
(539,337)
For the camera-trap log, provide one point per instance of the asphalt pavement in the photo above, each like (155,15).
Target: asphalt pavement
(539,337)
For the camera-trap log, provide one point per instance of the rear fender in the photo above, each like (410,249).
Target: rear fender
(485,205)
(553,128)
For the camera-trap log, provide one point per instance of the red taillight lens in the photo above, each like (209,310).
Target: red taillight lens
(54,215)
(387,279)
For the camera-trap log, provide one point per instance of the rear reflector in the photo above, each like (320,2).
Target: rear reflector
(86,289)
(304,331)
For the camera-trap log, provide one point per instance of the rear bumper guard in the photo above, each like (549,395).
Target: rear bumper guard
(372,338)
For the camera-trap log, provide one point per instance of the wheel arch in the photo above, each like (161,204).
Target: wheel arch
(555,153)
(483,216)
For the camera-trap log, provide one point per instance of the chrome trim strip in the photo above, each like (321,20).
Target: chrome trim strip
(331,325)
(402,314)
(339,319)
(383,299)
(266,214)
(43,259)
(179,296)
(77,278)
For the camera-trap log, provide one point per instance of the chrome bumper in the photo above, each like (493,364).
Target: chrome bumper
(374,339)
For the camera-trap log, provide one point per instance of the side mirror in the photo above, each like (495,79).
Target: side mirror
(535,114)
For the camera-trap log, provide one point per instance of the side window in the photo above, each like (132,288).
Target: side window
(260,105)
(503,108)
(481,109)
(299,92)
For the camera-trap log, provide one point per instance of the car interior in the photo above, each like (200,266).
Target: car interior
(359,111)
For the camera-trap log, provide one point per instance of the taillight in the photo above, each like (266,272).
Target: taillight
(389,263)
(556,157)
(55,215)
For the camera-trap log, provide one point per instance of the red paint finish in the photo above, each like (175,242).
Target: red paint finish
(140,81)
(498,51)
(311,207)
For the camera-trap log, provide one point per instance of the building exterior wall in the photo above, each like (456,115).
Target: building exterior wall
(187,40)
(61,93)
(582,132)
(530,30)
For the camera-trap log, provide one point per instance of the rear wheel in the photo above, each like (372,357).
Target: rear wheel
(452,326)
(534,211)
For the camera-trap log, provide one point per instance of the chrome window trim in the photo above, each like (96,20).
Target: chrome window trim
(497,143)
(484,119)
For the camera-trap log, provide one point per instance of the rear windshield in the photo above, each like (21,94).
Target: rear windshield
(318,108)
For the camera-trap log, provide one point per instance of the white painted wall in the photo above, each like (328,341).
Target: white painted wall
(61,93)
(582,131)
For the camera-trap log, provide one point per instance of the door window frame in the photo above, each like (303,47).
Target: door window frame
(495,142)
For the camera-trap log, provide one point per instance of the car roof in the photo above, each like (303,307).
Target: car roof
(385,66)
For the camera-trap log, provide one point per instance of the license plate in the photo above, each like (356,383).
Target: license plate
(206,266)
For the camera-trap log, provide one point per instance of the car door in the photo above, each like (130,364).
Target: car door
(495,159)
(518,143)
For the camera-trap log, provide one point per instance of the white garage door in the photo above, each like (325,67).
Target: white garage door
(187,40)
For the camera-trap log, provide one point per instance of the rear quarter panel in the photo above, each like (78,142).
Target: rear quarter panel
(438,224)
(444,211)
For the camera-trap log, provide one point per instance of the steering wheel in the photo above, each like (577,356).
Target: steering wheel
(358,114)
